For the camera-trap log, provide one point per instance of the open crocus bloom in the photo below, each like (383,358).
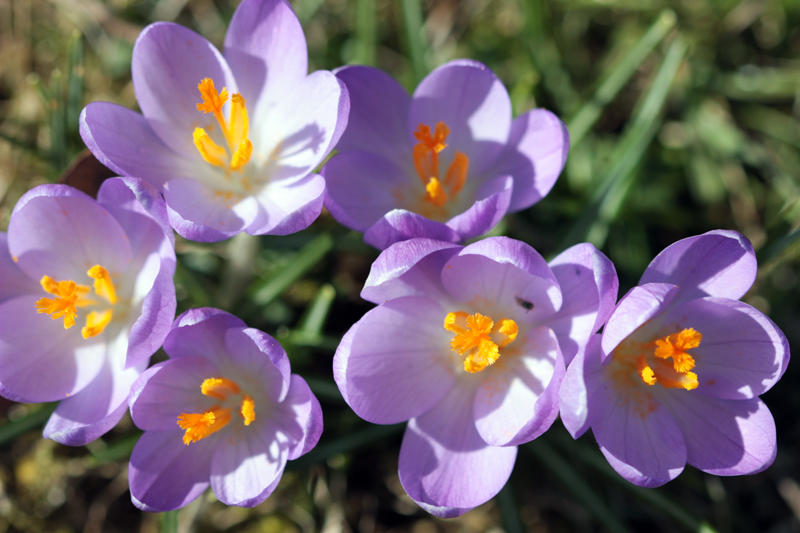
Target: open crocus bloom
(447,163)
(225,409)
(676,376)
(86,297)
(232,141)
(468,344)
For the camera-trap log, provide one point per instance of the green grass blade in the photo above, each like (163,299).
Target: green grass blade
(616,79)
(366,31)
(114,451)
(317,313)
(308,256)
(348,443)
(75,74)
(168,521)
(508,510)
(412,14)
(325,389)
(33,420)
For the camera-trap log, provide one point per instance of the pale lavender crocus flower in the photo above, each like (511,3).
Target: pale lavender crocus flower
(86,297)
(676,375)
(446,163)
(232,141)
(223,410)
(469,345)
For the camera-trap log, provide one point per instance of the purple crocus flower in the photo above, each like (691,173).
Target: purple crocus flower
(469,345)
(447,163)
(86,297)
(676,375)
(224,410)
(231,141)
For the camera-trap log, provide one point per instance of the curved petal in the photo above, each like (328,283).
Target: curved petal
(444,462)
(39,359)
(97,408)
(307,415)
(169,61)
(518,400)
(199,213)
(574,393)
(718,263)
(725,437)
(487,212)
(399,363)
(362,187)
(129,199)
(340,359)
(266,49)
(635,309)
(502,276)
(294,135)
(252,359)
(409,268)
(170,388)
(288,206)
(379,108)
(246,463)
(742,353)
(201,332)
(534,156)
(401,225)
(13,281)
(589,286)
(63,236)
(125,142)
(473,103)
(164,474)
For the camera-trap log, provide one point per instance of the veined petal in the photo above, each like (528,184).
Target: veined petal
(401,225)
(288,206)
(15,282)
(485,212)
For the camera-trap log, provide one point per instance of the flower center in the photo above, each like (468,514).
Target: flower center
(70,295)
(676,375)
(235,131)
(200,425)
(438,189)
(478,338)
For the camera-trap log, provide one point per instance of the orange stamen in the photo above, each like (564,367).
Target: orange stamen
(478,338)
(438,189)
(200,425)
(675,375)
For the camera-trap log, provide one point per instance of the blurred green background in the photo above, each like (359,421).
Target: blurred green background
(683,118)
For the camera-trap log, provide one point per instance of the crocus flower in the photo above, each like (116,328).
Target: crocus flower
(231,141)
(447,163)
(676,375)
(86,297)
(468,344)
(224,409)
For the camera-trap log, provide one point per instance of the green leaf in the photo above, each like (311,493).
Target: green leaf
(168,521)
(35,419)
(412,15)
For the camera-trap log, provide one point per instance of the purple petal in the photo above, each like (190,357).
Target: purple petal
(473,103)
(486,213)
(170,388)
(718,263)
(97,408)
(169,61)
(165,474)
(288,206)
(742,353)
(362,187)
(266,49)
(725,437)
(39,359)
(534,156)
(339,361)
(125,142)
(444,462)
(201,332)
(409,268)
(399,364)
(198,213)
(128,199)
(379,108)
(635,309)
(63,236)
(400,225)
(518,400)
(498,273)
(257,362)
(301,418)
(573,395)
(589,288)
(13,281)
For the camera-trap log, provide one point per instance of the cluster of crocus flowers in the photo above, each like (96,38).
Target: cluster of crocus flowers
(447,163)
(224,410)
(676,375)
(469,344)
(231,141)
(86,297)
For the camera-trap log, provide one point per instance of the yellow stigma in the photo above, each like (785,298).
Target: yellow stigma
(677,374)
(69,296)
(200,425)
(248,410)
(438,189)
(478,338)
(236,132)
